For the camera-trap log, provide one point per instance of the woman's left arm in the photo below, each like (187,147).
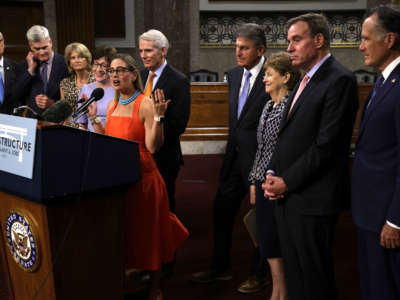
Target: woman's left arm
(153,111)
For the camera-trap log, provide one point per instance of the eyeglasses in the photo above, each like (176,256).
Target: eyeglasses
(119,70)
(101,66)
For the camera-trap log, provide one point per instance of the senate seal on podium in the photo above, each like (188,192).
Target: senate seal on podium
(22,241)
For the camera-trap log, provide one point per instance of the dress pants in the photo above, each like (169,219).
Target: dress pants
(306,245)
(169,176)
(379,268)
(227,202)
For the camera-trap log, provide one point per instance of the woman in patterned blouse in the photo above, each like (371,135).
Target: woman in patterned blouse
(79,62)
(280,77)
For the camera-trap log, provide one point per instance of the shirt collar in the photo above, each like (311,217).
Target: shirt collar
(315,68)
(257,68)
(160,69)
(2,61)
(50,60)
(388,70)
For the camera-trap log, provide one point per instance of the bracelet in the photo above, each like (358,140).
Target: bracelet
(159,119)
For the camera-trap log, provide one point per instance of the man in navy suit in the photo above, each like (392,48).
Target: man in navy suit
(39,76)
(247,98)
(153,47)
(7,70)
(311,180)
(376,167)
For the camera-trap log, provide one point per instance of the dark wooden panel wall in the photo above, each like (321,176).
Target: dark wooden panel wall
(172,17)
(15,20)
(75,23)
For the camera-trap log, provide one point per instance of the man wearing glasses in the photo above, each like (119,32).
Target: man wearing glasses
(39,76)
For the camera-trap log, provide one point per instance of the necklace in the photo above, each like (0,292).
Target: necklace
(127,101)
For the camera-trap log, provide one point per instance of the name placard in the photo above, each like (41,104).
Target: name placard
(17,145)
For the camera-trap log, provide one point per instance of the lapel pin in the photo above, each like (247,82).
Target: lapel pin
(7,68)
(393,80)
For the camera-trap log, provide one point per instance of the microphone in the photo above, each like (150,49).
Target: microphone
(96,95)
(34,113)
(58,112)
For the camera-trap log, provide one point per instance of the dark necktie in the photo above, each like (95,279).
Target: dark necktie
(1,89)
(43,74)
(377,86)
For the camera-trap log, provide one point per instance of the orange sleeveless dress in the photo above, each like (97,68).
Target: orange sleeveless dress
(153,233)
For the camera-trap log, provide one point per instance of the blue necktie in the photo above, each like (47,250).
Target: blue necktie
(245,92)
(1,89)
(377,86)
(43,74)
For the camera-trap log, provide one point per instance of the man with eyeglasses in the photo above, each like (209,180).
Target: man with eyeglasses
(39,76)
(7,80)
(153,46)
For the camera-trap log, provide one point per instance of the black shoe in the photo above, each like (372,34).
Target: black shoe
(211,276)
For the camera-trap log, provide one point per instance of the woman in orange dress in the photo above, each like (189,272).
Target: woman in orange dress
(153,232)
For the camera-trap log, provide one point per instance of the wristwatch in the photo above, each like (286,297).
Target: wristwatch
(95,120)
(159,119)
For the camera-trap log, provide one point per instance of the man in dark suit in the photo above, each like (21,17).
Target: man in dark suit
(309,174)
(247,98)
(39,76)
(153,47)
(7,72)
(376,167)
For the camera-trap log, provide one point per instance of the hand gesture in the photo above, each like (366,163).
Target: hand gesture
(32,63)
(43,102)
(160,105)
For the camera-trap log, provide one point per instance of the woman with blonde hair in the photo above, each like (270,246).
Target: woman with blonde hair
(79,62)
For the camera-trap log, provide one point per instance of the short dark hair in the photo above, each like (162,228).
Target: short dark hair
(281,63)
(253,32)
(107,52)
(317,24)
(388,20)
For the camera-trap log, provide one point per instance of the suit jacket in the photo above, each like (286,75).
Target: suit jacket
(176,87)
(376,167)
(314,139)
(27,87)
(242,139)
(9,81)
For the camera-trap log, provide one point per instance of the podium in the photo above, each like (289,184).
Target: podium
(62,232)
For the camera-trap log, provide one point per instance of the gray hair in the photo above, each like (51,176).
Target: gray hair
(253,32)
(37,33)
(160,40)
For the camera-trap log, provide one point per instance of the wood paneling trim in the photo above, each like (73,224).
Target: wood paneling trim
(209,117)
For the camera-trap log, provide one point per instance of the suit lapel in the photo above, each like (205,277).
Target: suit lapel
(6,71)
(390,82)
(163,78)
(235,84)
(258,84)
(308,90)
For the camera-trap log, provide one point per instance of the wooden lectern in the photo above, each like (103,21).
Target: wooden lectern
(72,246)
